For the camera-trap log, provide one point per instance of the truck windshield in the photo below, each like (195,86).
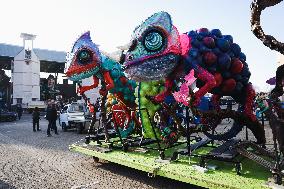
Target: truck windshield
(77,108)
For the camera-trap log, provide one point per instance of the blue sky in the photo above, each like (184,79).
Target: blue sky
(57,24)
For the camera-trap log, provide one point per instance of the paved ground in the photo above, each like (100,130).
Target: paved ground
(32,160)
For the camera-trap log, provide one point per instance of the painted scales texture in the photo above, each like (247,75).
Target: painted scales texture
(148,88)
(122,86)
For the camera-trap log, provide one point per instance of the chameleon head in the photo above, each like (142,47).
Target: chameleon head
(84,59)
(154,50)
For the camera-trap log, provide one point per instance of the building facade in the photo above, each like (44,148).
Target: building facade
(26,74)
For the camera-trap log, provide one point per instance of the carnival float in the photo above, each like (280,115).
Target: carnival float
(149,105)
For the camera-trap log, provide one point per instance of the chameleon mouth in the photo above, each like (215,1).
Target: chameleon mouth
(144,59)
(84,74)
(151,69)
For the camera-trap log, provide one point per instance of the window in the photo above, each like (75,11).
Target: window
(28,54)
(19,100)
(76,108)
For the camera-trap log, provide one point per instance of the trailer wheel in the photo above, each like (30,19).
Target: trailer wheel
(87,140)
(238,168)
(125,147)
(202,162)
(277,178)
(96,159)
(79,127)
(162,155)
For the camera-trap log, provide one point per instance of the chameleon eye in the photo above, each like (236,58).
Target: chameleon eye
(84,56)
(153,40)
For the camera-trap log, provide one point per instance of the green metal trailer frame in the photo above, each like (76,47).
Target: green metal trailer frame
(253,175)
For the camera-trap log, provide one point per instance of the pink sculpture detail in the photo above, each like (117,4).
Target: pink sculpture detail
(182,95)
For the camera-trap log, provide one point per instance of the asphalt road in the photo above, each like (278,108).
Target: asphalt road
(32,160)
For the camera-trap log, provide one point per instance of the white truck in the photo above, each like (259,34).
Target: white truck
(73,116)
(40,104)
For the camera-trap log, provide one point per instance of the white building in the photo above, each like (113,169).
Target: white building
(26,73)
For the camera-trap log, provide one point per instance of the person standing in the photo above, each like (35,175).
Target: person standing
(48,117)
(36,118)
(19,111)
(54,118)
(51,116)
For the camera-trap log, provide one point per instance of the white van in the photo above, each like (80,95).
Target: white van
(73,115)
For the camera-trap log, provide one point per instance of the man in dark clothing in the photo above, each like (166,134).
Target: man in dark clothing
(36,118)
(51,116)
(19,111)
(278,90)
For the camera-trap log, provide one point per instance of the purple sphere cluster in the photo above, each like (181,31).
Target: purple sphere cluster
(218,54)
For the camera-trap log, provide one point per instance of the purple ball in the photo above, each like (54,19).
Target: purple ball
(200,37)
(224,61)
(245,80)
(189,58)
(236,49)
(223,44)
(229,38)
(193,52)
(199,59)
(238,77)
(194,64)
(203,31)
(209,42)
(192,33)
(217,51)
(245,71)
(195,43)
(204,49)
(226,74)
(231,54)
(242,57)
(239,86)
(216,32)
(209,58)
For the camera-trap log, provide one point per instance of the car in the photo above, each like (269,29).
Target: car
(73,116)
(6,115)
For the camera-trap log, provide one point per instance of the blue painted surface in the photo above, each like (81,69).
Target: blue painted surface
(203,106)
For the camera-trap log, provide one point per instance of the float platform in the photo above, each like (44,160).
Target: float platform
(184,169)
